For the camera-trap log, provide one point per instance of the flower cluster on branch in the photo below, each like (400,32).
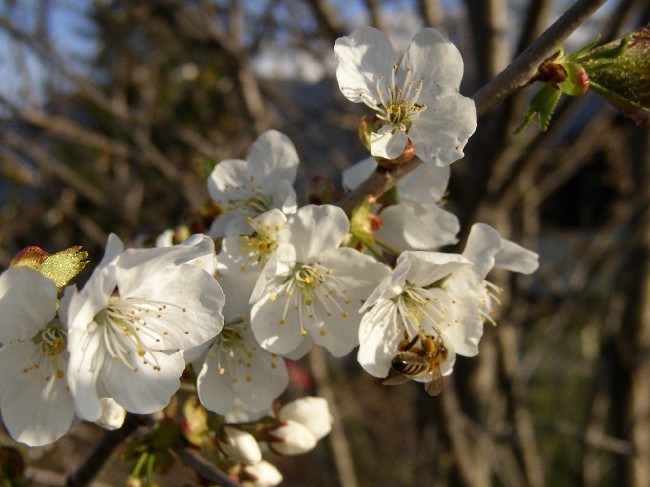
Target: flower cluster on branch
(285,278)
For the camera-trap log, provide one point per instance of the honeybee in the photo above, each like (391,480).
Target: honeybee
(411,362)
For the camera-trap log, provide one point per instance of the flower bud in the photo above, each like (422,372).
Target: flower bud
(240,446)
(311,412)
(292,438)
(262,474)
(112,414)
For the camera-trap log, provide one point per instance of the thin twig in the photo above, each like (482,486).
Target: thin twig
(204,468)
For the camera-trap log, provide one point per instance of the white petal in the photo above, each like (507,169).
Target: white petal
(441,131)
(273,159)
(135,267)
(303,349)
(277,269)
(378,338)
(266,317)
(80,308)
(27,303)
(515,258)
(313,230)
(434,58)
(388,142)
(411,225)
(229,223)
(256,382)
(390,286)
(225,177)
(425,268)
(146,390)
(483,243)
(189,302)
(356,174)
(284,197)
(363,56)
(426,184)
(336,321)
(85,364)
(35,410)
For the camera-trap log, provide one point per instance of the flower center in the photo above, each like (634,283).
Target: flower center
(252,202)
(315,293)
(424,311)
(259,246)
(396,106)
(52,342)
(128,325)
(233,353)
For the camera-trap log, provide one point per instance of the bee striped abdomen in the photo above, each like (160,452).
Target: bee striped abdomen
(410,364)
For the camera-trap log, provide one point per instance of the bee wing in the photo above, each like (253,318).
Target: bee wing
(434,386)
(396,380)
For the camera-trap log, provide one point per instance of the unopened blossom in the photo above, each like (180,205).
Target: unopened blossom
(312,412)
(113,414)
(131,321)
(35,403)
(235,371)
(246,189)
(439,295)
(240,446)
(416,221)
(250,252)
(310,289)
(262,474)
(416,99)
(292,438)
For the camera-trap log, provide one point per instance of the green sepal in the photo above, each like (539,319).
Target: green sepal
(366,128)
(63,266)
(577,80)
(620,72)
(543,105)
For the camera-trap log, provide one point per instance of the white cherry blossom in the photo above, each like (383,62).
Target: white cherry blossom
(235,372)
(416,100)
(131,321)
(246,189)
(440,295)
(310,289)
(35,402)
(416,222)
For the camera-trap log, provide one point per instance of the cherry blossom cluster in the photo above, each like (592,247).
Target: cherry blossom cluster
(286,278)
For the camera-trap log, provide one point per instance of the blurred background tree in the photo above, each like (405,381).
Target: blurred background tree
(113,114)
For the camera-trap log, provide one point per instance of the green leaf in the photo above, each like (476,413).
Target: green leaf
(543,105)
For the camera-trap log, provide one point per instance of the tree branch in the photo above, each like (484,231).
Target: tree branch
(522,69)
